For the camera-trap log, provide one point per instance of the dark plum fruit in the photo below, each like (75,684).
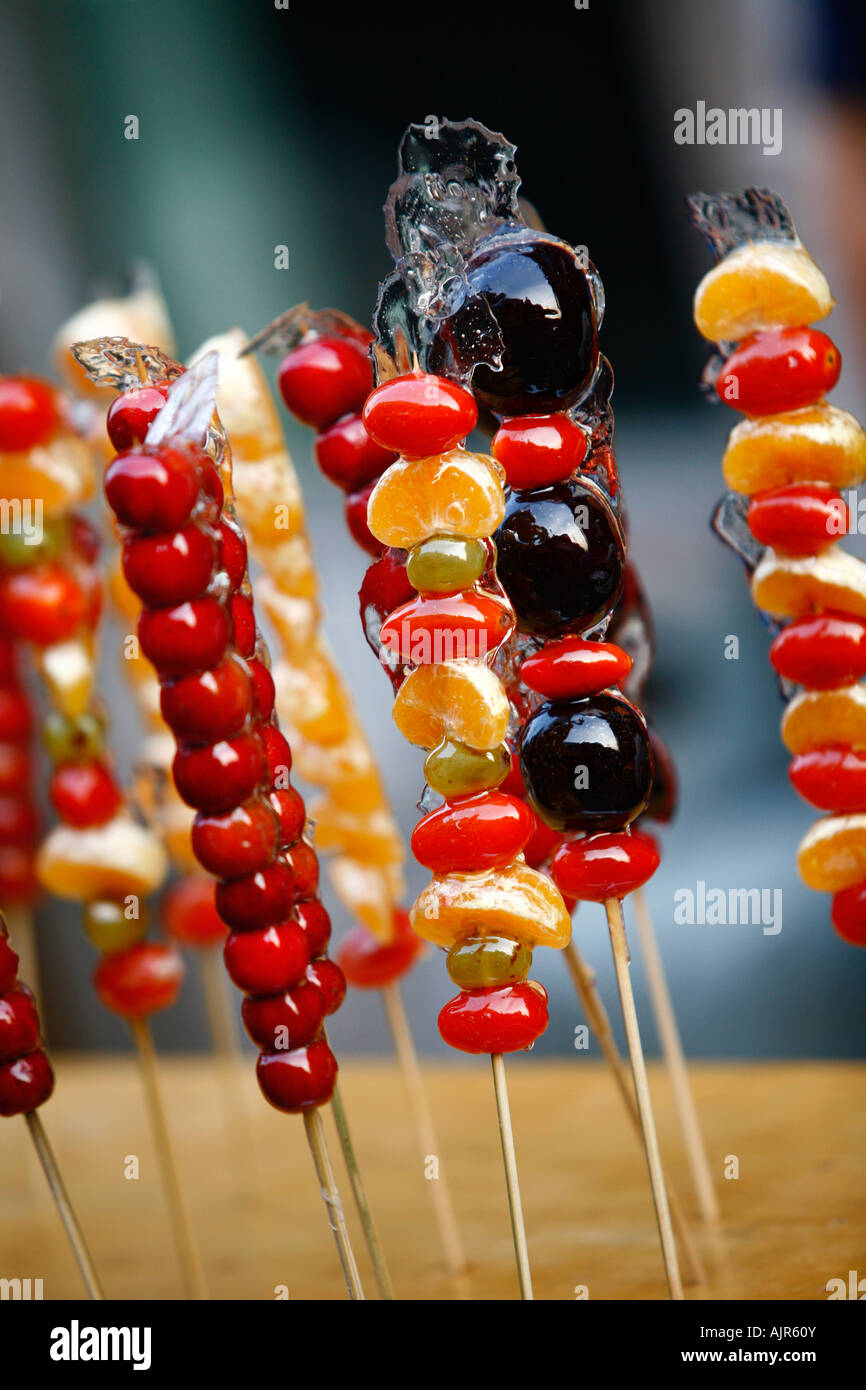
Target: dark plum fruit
(587,764)
(561,557)
(542,300)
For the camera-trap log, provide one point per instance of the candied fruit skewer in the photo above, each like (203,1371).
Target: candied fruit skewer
(196,706)
(19,825)
(96,854)
(791,456)
(249,827)
(471,296)
(26,1082)
(484,905)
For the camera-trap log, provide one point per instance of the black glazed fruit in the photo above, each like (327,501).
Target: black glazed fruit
(587,764)
(542,300)
(561,557)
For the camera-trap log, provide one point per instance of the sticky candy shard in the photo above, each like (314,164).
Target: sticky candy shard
(761,285)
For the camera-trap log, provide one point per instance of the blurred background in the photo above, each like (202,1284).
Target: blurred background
(262,126)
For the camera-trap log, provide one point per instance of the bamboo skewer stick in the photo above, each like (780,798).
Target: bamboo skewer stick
(443,1206)
(619,946)
(333,1202)
(22,933)
(181,1224)
(512,1182)
(583,978)
(368,1225)
(684,1101)
(64,1206)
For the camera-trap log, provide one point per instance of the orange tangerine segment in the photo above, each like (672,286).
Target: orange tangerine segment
(370,838)
(454,494)
(792,588)
(295,619)
(290,564)
(832,856)
(765,284)
(516,901)
(59,474)
(269,499)
(462,700)
(819,444)
(109,861)
(313,699)
(819,718)
(367,893)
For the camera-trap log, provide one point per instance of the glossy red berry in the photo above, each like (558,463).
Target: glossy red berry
(325,378)
(85,540)
(84,793)
(297,1081)
(849,914)
(17,877)
(233,554)
(420,414)
(435,628)
(131,414)
(25,1084)
(780,369)
(356,520)
(505,1018)
(19,823)
(208,706)
(473,833)
(153,490)
(348,456)
(188,637)
(368,963)
(235,844)
(605,866)
(243,623)
(19,1023)
(291,813)
(264,692)
(8,961)
(15,766)
(282,1022)
(170,567)
(802,519)
(821,652)
(140,981)
(16,718)
(267,961)
(575,667)
(833,779)
(263,899)
(327,977)
(28,413)
(188,912)
(277,755)
(219,777)
(536,450)
(315,923)
(43,604)
(301,860)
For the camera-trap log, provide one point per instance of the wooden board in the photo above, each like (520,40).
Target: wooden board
(795,1217)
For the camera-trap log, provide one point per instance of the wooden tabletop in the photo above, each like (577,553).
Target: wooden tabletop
(793,1219)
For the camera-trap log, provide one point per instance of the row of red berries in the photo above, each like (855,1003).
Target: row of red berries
(26,1079)
(186,561)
